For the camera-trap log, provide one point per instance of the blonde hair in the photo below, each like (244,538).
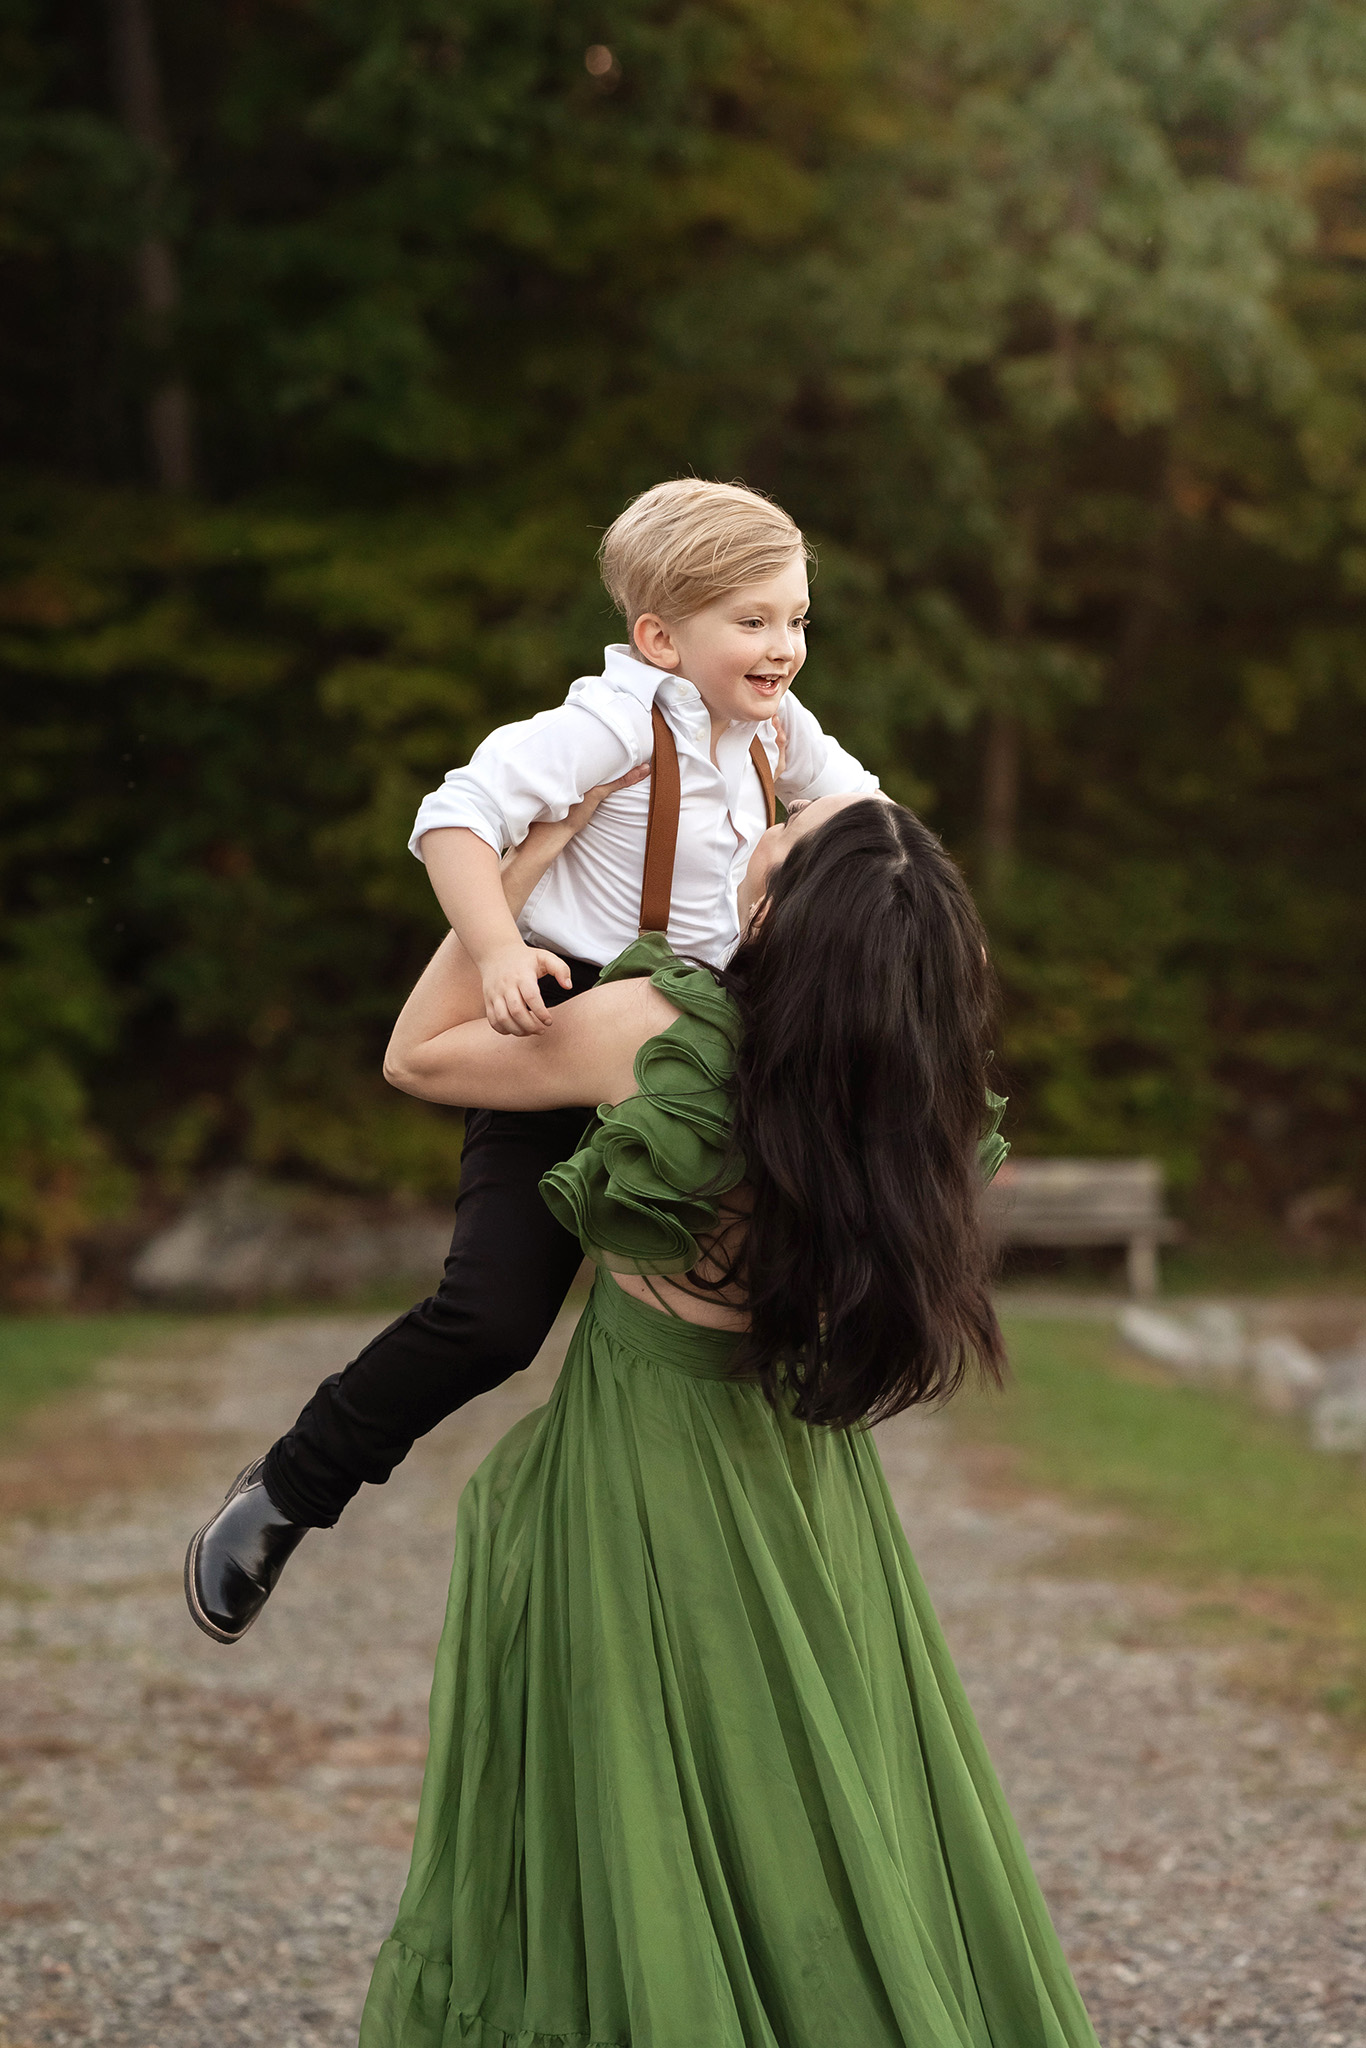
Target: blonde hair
(679,546)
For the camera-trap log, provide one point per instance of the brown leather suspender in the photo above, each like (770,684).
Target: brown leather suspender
(765,774)
(661,833)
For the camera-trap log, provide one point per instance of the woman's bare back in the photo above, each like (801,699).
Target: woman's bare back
(703,1296)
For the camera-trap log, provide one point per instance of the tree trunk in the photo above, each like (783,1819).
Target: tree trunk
(138,91)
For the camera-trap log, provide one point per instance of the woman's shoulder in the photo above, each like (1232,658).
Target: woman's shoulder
(595,1040)
(648,1176)
(685,987)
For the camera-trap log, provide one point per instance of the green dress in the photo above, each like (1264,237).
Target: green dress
(702,1774)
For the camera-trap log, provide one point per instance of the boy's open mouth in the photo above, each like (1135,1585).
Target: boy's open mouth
(766,682)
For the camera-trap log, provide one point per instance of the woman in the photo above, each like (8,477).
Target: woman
(702,1774)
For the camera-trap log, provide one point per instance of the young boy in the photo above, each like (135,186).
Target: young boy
(712,581)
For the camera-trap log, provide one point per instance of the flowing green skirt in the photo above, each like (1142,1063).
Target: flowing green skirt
(702,1774)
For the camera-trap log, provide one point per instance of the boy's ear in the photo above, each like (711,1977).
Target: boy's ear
(653,640)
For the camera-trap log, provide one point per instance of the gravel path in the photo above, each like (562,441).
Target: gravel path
(202,1847)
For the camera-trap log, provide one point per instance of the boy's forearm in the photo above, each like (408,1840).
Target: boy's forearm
(452,868)
(467,877)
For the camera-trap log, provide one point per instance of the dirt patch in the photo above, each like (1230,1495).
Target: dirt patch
(64,1466)
(139,1427)
(203,1847)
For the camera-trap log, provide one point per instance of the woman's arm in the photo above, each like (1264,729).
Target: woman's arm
(450,989)
(482,899)
(545,841)
(443,1050)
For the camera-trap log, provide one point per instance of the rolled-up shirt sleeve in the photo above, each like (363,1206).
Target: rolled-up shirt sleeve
(816,765)
(537,769)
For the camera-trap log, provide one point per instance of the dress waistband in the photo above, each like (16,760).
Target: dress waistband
(663,1339)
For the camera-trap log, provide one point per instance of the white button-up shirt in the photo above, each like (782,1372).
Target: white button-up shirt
(588,903)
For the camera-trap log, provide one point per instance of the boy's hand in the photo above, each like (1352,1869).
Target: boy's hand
(512,1001)
(509,970)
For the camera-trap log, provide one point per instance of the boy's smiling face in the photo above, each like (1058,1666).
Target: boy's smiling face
(741,651)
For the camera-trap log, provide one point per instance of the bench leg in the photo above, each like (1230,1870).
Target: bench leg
(1142,1267)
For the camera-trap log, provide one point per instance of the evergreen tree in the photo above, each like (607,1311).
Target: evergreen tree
(1043,316)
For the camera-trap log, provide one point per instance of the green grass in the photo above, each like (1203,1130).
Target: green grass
(1246,1263)
(41,1356)
(1210,1495)
(1234,1262)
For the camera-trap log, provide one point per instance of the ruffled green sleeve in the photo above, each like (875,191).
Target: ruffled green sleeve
(649,1174)
(991,1146)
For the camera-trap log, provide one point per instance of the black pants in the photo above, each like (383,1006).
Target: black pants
(507,1274)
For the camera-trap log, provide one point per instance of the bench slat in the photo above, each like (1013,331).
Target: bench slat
(1083,1202)
(1140,1175)
(1080,1232)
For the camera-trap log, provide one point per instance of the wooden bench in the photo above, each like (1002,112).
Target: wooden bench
(1084,1202)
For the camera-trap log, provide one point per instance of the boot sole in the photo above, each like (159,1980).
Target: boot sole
(197,1614)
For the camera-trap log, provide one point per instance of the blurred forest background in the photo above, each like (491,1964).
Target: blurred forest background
(335,331)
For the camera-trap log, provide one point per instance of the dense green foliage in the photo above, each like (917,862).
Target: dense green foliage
(1043,316)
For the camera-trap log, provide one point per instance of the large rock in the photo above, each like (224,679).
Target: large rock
(1207,1343)
(1285,1373)
(247,1240)
(1337,1421)
(1211,1343)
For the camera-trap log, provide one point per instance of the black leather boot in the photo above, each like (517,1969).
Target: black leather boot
(233,1564)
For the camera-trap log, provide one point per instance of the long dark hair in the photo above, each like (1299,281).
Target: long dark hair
(859,1098)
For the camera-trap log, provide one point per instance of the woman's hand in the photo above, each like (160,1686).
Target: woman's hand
(575,820)
(512,1001)
(501,983)
(547,839)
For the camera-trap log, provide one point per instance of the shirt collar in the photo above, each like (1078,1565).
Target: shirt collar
(623,670)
